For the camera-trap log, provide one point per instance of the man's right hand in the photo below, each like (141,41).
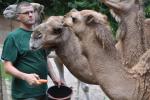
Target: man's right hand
(58,82)
(32,79)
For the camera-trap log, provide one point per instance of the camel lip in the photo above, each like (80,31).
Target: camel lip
(51,47)
(33,48)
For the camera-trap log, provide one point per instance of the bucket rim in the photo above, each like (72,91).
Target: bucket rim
(67,97)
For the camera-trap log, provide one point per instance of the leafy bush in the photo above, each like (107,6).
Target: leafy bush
(147,8)
(2,72)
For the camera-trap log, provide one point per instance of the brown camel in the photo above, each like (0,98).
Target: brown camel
(105,60)
(66,46)
(89,42)
(130,35)
(114,6)
(141,69)
(103,57)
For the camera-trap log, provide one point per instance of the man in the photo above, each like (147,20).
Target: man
(26,66)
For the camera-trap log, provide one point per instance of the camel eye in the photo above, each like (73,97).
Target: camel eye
(57,30)
(74,19)
(65,16)
(38,35)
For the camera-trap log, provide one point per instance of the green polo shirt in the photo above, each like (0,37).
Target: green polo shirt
(16,50)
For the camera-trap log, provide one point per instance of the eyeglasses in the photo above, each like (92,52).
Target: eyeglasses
(27,13)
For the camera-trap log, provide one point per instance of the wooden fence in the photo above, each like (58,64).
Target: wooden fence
(6,26)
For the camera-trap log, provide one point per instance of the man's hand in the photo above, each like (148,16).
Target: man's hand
(32,79)
(58,82)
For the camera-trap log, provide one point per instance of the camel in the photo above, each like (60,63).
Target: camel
(87,35)
(66,45)
(76,20)
(99,48)
(9,12)
(120,9)
(131,41)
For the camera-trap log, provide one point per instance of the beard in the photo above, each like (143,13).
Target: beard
(29,21)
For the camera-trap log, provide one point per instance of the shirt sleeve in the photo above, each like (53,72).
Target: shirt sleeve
(9,51)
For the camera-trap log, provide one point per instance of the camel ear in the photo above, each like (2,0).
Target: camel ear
(41,9)
(73,10)
(91,20)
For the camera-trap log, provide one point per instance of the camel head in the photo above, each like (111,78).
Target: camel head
(78,20)
(48,34)
(87,22)
(120,8)
(10,12)
(39,13)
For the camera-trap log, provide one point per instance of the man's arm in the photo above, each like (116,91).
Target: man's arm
(30,78)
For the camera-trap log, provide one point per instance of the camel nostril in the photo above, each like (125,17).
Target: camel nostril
(65,25)
(33,48)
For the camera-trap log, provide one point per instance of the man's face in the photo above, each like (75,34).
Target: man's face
(26,15)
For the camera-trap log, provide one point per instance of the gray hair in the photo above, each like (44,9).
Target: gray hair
(19,5)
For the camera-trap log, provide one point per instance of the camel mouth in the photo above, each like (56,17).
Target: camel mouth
(48,46)
(33,48)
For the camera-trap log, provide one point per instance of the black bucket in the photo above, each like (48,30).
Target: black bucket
(59,93)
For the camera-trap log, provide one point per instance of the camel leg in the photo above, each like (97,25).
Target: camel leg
(78,90)
(60,68)
(85,89)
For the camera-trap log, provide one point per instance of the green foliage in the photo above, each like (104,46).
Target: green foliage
(57,7)
(147,8)
(2,72)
